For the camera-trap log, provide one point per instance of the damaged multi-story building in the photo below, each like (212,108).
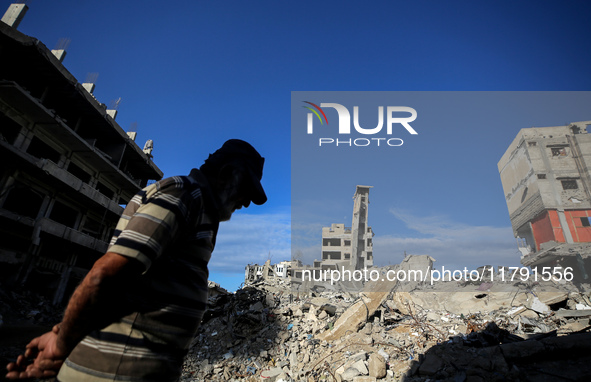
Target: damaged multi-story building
(547,187)
(67,169)
(255,272)
(348,248)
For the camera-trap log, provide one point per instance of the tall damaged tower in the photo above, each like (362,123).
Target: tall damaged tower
(350,247)
(361,234)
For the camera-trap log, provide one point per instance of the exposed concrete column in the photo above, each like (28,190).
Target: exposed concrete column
(359,226)
(7,185)
(15,14)
(64,279)
(93,180)
(60,54)
(23,140)
(77,223)
(44,205)
(31,260)
(88,86)
(112,113)
(564,224)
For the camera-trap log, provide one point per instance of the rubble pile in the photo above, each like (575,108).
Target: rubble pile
(27,306)
(23,316)
(470,331)
(267,332)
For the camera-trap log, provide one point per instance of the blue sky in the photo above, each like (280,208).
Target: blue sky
(192,74)
(436,192)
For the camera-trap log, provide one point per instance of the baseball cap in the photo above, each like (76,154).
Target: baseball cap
(243,153)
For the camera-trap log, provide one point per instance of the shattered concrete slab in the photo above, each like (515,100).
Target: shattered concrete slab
(265,332)
(372,296)
(398,335)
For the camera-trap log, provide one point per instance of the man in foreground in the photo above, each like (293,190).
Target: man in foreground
(134,315)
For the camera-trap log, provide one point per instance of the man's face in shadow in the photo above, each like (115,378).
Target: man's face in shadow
(233,192)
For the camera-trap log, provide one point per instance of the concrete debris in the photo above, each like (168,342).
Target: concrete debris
(538,306)
(23,316)
(377,366)
(573,313)
(274,333)
(372,297)
(267,331)
(27,307)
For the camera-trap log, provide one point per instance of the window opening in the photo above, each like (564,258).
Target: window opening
(569,185)
(42,150)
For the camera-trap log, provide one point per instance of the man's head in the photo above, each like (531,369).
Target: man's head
(235,171)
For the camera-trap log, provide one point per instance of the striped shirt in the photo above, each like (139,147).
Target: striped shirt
(170,227)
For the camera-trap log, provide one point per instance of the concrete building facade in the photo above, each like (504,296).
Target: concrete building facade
(350,246)
(256,272)
(67,169)
(547,186)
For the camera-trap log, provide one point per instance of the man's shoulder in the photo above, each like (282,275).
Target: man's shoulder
(176,182)
(174,185)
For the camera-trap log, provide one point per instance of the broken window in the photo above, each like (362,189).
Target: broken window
(92,228)
(558,151)
(8,129)
(585,222)
(105,190)
(23,200)
(331,255)
(63,214)
(541,176)
(78,172)
(331,242)
(42,150)
(569,184)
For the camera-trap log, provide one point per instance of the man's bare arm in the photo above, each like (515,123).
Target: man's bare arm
(96,302)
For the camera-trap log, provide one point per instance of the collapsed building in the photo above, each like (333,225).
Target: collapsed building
(343,247)
(349,248)
(68,167)
(445,331)
(547,187)
(254,272)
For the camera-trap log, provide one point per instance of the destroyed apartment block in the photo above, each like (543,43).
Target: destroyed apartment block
(255,272)
(68,168)
(349,248)
(546,180)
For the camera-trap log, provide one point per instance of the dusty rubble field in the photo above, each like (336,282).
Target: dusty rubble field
(23,316)
(472,332)
(266,332)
